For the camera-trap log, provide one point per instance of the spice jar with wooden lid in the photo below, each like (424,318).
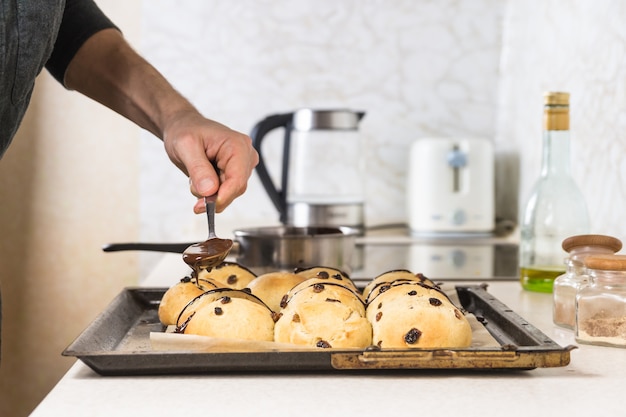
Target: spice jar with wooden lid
(566,286)
(601,304)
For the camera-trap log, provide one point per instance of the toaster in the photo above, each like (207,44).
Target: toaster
(450,186)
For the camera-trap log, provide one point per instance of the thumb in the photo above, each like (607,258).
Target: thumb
(203,179)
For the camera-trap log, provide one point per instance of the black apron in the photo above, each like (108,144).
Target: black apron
(27,34)
(29,29)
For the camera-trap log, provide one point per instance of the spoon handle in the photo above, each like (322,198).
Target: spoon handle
(209,204)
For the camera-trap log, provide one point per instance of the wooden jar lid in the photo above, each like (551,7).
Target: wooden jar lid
(606,262)
(604,241)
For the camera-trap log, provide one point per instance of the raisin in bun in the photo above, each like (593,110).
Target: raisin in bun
(179,295)
(231,318)
(398,290)
(324,291)
(398,275)
(331,274)
(323,313)
(273,286)
(230,274)
(212,295)
(323,325)
(413,316)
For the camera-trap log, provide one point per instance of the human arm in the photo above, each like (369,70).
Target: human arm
(106,69)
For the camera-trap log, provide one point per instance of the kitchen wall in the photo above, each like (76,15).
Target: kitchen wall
(418,67)
(576,46)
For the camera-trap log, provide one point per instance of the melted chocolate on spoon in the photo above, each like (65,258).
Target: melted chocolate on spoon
(211,252)
(207,254)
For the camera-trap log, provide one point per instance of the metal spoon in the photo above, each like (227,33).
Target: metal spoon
(211,252)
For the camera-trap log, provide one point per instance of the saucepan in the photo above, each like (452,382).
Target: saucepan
(276,248)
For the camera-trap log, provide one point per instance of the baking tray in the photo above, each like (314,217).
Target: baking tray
(117,342)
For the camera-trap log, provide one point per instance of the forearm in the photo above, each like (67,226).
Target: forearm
(109,71)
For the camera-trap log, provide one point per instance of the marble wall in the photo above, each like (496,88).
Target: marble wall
(576,46)
(418,69)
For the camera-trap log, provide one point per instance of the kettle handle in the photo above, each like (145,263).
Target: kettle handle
(259,131)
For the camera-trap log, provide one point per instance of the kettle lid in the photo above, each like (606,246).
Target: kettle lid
(339,119)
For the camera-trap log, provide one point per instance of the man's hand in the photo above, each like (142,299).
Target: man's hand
(192,142)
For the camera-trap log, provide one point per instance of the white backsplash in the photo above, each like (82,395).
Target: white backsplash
(418,68)
(580,47)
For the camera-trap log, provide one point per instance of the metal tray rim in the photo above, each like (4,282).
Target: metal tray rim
(535,349)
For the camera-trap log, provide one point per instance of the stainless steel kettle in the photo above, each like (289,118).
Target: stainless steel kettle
(322,178)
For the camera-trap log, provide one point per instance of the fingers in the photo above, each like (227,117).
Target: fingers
(235,165)
(199,207)
(228,191)
(201,142)
(235,170)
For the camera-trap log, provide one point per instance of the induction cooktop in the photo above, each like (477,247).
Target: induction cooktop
(443,258)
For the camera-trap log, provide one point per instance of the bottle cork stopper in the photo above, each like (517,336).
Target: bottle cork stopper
(556,98)
(606,262)
(602,241)
(556,111)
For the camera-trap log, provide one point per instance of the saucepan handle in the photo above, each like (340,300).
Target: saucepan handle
(156,247)
(152,247)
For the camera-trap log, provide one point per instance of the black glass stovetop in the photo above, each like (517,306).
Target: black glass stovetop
(438,258)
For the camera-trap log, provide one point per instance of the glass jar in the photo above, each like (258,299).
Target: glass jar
(601,305)
(567,285)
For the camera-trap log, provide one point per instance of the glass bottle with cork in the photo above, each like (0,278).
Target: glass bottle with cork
(556,208)
(601,305)
(566,286)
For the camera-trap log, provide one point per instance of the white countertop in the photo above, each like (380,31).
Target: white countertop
(592,384)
